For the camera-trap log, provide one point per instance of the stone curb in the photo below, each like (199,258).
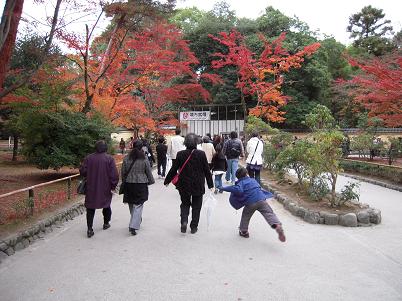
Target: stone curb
(365,217)
(375,182)
(23,239)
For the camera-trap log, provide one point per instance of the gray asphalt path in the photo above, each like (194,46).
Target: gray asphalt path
(317,262)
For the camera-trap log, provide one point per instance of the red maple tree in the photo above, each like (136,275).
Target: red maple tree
(379,88)
(261,76)
(159,66)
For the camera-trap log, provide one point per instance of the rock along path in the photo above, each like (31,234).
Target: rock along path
(317,262)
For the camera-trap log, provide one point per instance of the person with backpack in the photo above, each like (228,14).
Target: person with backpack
(232,149)
(193,170)
(247,193)
(255,148)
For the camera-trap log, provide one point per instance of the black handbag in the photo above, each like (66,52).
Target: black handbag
(123,182)
(82,186)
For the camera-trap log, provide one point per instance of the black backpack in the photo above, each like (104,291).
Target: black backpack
(234,149)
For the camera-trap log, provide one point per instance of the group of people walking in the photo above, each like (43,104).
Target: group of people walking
(194,162)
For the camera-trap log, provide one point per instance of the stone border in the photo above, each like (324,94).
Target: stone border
(365,217)
(372,181)
(23,239)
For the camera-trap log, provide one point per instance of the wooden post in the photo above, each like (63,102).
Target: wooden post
(69,189)
(31,203)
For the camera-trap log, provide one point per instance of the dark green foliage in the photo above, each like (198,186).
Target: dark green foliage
(54,140)
(369,29)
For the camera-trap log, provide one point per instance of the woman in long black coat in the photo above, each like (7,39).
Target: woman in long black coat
(191,184)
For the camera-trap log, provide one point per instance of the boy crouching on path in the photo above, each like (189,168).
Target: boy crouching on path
(248,193)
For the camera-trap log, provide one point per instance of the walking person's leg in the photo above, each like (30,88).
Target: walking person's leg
(196,204)
(265,209)
(184,210)
(229,170)
(246,215)
(159,165)
(250,172)
(164,162)
(90,222)
(107,216)
(136,218)
(235,165)
(257,174)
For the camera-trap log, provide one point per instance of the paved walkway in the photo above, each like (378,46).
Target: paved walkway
(317,262)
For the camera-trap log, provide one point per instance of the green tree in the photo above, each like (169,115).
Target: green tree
(255,124)
(320,118)
(295,156)
(369,30)
(54,140)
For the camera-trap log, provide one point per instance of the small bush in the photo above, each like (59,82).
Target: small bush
(390,173)
(349,193)
(318,188)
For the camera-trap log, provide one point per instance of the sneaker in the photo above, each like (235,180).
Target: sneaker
(106,226)
(90,233)
(194,230)
(216,191)
(132,231)
(183,227)
(281,233)
(244,234)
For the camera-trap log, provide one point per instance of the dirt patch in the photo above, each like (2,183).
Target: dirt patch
(291,189)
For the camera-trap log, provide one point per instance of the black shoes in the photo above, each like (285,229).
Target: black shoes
(90,233)
(194,230)
(106,226)
(183,227)
(244,234)
(132,231)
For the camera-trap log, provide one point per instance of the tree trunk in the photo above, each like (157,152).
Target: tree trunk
(9,25)
(333,186)
(15,148)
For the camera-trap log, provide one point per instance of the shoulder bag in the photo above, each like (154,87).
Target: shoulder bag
(175,179)
(82,186)
(123,181)
(251,165)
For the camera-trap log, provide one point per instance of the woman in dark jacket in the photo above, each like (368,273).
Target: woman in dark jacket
(191,184)
(137,174)
(102,177)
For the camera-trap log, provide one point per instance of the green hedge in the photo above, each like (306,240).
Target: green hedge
(390,173)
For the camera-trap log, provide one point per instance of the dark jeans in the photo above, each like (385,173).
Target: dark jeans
(253,173)
(265,210)
(162,165)
(107,215)
(187,201)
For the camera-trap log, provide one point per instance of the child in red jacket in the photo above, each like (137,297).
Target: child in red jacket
(247,193)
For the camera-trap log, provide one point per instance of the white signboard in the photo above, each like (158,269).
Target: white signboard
(195,115)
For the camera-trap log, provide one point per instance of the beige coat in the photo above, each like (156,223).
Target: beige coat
(209,151)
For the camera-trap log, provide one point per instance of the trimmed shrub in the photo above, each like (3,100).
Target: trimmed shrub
(393,174)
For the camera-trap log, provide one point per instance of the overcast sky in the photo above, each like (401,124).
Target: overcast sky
(331,17)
